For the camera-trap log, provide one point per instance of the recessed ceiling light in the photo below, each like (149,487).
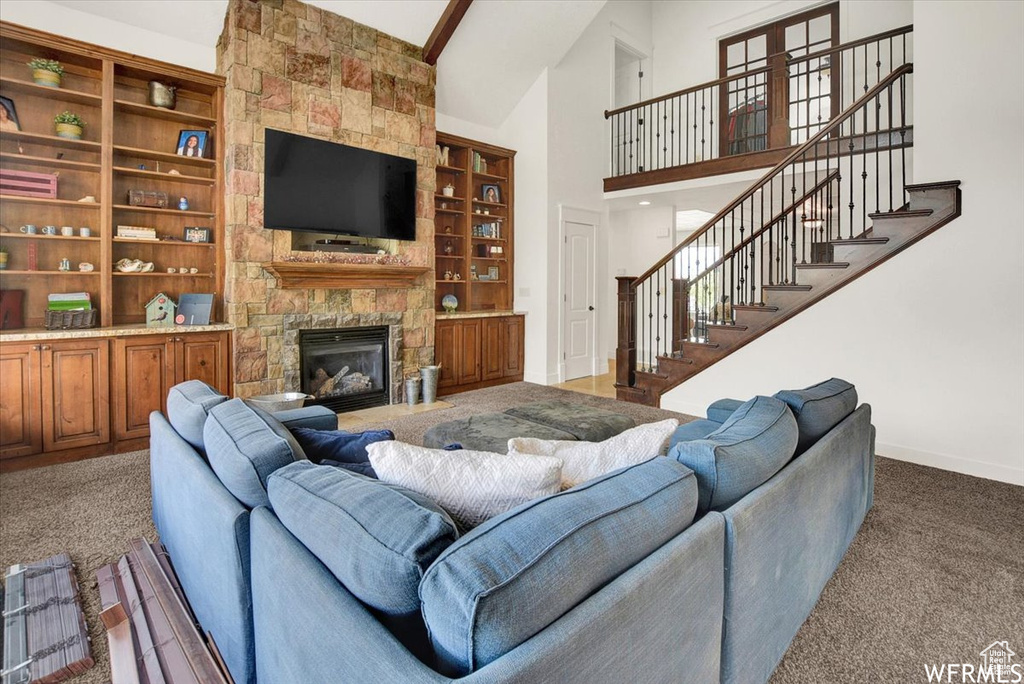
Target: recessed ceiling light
(644,203)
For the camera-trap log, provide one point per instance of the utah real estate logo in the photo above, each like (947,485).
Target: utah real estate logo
(996,666)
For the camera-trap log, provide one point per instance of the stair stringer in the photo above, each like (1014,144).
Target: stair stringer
(889,235)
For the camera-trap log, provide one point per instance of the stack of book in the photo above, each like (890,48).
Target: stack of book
(479,163)
(70,301)
(487,230)
(136,232)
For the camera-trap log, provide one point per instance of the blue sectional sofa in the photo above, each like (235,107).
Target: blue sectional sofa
(697,567)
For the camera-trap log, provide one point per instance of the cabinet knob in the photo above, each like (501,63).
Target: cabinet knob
(202,362)
(37,347)
(45,347)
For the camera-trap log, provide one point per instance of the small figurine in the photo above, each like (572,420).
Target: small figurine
(65,264)
(183,204)
(447,275)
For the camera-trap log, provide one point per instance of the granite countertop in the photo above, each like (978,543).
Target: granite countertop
(476,314)
(33,334)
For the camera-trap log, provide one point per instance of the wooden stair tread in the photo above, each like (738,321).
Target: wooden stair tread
(875,215)
(835,264)
(786,288)
(932,186)
(700,345)
(861,241)
(755,307)
(726,326)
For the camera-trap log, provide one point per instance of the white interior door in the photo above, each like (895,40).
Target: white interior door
(579,314)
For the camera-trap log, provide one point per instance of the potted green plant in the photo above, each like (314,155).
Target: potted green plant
(46,72)
(69,125)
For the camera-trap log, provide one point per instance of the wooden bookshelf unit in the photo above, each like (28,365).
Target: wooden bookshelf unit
(127,144)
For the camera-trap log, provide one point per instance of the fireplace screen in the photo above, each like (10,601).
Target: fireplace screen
(345,369)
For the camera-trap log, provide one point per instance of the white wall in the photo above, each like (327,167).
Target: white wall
(934,338)
(580,90)
(686,34)
(62,20)
(525,131)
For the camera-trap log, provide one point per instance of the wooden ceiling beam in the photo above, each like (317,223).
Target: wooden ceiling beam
(446,26)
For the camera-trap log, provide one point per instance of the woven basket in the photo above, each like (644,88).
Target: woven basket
(71,320)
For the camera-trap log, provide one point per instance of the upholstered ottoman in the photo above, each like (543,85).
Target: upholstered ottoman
(488,432)
(585,423)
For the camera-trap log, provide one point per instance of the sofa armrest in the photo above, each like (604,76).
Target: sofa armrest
(722,409)
(315,417)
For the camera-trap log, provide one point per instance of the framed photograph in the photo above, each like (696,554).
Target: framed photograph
(491,193)
(197,234)
(193,143)
(194,309)
(8,115)
(492,273)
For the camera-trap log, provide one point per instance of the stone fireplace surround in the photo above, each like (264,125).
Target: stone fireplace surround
(300,69)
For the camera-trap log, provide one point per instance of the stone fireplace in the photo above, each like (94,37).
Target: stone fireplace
(300,69)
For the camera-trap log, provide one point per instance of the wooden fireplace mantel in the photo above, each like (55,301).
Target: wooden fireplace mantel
(303,274)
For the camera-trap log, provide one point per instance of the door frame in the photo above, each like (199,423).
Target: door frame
(593,219)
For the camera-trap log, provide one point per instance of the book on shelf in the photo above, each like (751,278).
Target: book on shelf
(136,232)
(479,163)
(69,301)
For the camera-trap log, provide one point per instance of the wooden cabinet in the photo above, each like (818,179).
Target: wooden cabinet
(478,352)
(67,399)
(146,367)
(55,396)
(21,427)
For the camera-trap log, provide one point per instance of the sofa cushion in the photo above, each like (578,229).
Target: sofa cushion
(695,429)
(581,421)
(364,469)
(582,461)
(489,432)
(316,417)
(472,486)
(377,539)
(819,408)
(244,446)
(720,410)
(754,444)
(188,404)
(543,558)
(338,445)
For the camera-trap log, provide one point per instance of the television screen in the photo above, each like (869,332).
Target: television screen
(319,186)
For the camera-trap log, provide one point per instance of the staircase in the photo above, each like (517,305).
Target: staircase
(831,211)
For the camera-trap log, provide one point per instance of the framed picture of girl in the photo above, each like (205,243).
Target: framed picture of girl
(193,143)
(491,193)
(8,115)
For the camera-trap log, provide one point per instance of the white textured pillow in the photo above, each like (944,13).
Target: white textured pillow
(582,461)
(472,486)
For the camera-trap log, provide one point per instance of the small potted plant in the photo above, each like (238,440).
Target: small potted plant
(46,72)
(69,125)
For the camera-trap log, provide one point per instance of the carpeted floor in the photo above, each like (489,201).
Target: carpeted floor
(935,575)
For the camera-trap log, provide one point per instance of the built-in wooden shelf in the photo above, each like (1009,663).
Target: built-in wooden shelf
(450,169)
(51,140)
(155,210)
(164,114)
(163,243)
(163,274)
(8,158)
(38,236)
(489,176)
(45,200)
(163,176)
(163,156)
(16,85)
(303,275)
(51,273)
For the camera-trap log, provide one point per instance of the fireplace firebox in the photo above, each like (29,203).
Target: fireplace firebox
(345,369)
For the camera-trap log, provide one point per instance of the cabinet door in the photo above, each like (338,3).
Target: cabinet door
(143,374)
(204,357)
(76,394)
(447,340)
(21,427)
(513,355)
(469,371)
(492,349)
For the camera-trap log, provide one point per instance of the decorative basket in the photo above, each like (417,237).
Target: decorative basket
(146,198)
(71,320)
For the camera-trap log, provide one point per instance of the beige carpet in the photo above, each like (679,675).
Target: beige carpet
(935,575)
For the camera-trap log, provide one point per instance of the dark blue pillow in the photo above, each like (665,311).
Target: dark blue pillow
(361,468)
(454,446)
(338,445)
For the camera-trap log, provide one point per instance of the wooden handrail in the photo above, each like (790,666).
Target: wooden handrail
(795,154)
(756,72)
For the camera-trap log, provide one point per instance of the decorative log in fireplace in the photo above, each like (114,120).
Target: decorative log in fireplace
(346,369)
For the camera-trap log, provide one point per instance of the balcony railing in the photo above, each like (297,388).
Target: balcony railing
(748,120)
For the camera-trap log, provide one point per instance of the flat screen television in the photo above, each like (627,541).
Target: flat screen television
(324,187)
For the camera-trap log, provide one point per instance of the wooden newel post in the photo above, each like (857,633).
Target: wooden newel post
(778,112)
(625,352)
(680,313)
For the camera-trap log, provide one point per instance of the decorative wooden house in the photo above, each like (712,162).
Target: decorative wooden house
(160,311)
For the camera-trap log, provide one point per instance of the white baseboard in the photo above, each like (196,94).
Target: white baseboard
(540,378)
(989,471)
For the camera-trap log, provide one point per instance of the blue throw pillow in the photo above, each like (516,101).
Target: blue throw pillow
(819,408)
(338,445)
(364,469)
